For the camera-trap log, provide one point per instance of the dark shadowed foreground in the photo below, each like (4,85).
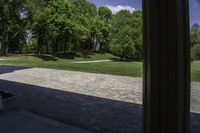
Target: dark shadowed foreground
(99,103)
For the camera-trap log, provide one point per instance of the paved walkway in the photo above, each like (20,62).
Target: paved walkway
(96,61)
(120,88)
(25,122)
(97,102)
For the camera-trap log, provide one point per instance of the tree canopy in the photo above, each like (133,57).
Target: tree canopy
(195,41)
(126,35)
(11,24)
(52,26)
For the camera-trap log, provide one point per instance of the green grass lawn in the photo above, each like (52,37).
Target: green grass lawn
(116,67)
(195,71)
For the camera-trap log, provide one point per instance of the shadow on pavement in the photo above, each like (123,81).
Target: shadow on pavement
(8,69)
(96,114)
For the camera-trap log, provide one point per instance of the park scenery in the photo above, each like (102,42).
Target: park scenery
(62,34)
(76,63)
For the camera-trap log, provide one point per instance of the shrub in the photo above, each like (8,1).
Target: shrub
(195,52)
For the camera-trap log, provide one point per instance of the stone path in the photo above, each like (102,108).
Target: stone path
(86,62)
(96,102)
(120,88)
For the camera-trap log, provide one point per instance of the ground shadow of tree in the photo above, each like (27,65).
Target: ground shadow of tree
(73,55)
(99,115)
(45,57)
(67,55)
(115,59)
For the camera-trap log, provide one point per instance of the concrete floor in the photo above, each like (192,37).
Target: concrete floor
(26,122)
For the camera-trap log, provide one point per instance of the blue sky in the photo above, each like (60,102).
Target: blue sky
(194,11)
(132,5)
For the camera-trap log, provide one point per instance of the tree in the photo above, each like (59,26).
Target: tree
(86,19)
(195,52)
(122,41)
(105,14)
(38,15)
(122,44)
(105,22)
(137,34)
(195,41)
(61,21)
(11,23)
(195,34)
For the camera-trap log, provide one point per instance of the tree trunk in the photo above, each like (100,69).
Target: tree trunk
(1,46)
(93,41)
(4,42)
(47,48)
(65,44)
(55,46)
(40,41)
(6,45)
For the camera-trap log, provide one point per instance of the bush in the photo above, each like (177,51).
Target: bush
(195,52)
(122,47)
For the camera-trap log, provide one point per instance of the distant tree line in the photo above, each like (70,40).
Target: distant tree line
(195,41)
(51,26)
(62,26)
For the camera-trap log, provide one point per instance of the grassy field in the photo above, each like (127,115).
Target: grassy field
(115,67)
(195,71)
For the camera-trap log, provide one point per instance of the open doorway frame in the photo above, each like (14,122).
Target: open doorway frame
(166,66)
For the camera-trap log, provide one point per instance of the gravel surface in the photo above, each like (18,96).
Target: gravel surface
(121,88)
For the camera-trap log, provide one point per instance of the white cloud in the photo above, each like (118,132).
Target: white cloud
(116,9)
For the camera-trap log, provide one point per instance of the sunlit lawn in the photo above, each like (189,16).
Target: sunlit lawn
(115,67)
(195,71)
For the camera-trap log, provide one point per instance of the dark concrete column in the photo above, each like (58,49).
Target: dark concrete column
(1,102)
(166,66)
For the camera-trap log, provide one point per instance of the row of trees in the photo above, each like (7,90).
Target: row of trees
(51,26)
(126,35)
(45,26)
(11,25)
